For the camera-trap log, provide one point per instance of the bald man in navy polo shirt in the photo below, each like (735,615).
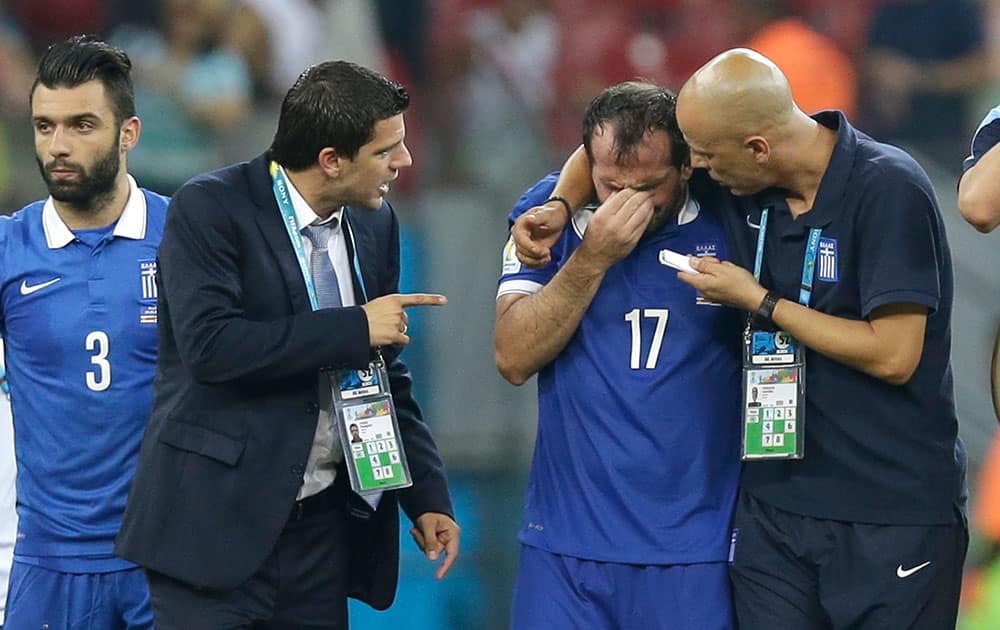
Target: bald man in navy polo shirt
(868,531)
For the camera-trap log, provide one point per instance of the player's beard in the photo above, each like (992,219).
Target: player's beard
(670,210)
(92,185)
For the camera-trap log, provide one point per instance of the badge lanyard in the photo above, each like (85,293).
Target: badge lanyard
(774,365)
(365,415)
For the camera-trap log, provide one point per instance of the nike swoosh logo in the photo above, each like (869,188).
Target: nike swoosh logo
(28,290)
(905,573)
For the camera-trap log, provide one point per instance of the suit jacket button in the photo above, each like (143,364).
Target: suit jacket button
(297,469)
(312,408)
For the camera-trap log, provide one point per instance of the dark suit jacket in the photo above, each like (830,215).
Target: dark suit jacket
(235,399)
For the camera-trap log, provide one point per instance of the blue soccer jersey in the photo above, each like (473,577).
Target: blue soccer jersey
(986,137)
(78,316)
(637,456)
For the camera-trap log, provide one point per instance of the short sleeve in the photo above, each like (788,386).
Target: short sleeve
(899,241)
(515,277)
(985,138)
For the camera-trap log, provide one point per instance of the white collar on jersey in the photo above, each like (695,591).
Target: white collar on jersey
(304,214)
(132,223)
(687,214)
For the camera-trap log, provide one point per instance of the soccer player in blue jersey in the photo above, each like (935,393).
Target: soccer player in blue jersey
(979,186)
(78,317)
(626,521)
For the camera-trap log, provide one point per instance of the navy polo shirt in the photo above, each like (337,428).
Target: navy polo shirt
(874,452)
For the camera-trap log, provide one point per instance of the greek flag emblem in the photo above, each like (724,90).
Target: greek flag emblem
(147,275)
(828,260)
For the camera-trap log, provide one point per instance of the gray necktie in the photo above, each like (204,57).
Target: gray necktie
(324,276)
(327,290)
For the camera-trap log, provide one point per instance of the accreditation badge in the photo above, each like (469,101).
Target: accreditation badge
(773,396)
(369,430)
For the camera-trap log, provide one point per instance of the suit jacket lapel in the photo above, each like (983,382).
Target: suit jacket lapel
(273,230)
(366,253)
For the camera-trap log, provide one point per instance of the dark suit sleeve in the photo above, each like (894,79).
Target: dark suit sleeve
(201,263)
(429,492)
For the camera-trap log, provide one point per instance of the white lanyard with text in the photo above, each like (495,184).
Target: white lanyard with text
(365,416)
(774,365)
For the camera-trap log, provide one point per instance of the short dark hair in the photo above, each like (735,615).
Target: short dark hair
(84,58)
(333,104)
(635,108)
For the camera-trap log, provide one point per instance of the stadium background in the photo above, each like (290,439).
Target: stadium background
(498,90)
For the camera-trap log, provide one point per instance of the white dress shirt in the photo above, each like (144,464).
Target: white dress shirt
(326,450)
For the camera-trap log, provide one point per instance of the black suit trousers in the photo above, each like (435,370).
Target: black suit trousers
(302,583)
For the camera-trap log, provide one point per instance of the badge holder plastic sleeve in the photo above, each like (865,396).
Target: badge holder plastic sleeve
(773,397)
(377,462)
(772,431)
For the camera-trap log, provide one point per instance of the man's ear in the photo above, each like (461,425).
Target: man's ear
(759,148)
(330,162)
(686,172)
(128,134)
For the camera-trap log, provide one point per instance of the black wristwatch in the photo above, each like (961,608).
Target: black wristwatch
(766,308)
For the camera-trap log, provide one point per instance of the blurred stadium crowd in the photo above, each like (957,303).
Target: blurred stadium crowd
(498,90)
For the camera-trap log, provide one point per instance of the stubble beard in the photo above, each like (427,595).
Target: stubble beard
(668,212)
(92,188)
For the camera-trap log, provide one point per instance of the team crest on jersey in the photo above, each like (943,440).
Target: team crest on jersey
(700,250)
(827,261)
(147,278)
(147,291)
(706,249)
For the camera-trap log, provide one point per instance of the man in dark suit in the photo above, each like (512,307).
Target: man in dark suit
(241,510)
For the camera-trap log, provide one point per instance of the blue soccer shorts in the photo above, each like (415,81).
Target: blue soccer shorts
(555,592)
(43,598)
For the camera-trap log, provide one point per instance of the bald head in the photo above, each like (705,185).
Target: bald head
(741,125)
(742,89)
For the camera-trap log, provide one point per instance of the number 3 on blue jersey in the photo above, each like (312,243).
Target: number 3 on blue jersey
(634,318)
(97,342)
